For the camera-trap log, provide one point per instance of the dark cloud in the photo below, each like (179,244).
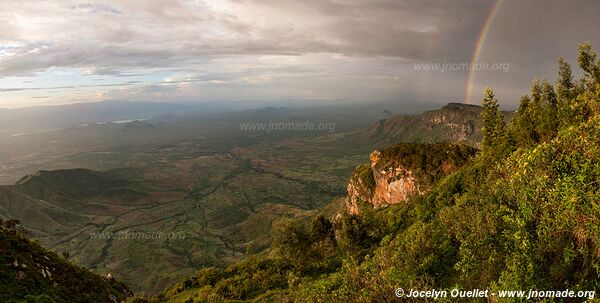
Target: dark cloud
(276,47)
(173,33)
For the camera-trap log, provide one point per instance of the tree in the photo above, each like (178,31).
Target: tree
(322,236)
(536,108)
(549,115)
(564,84)
(293,241)
(566,93)
(493,129)
(589,65)
(322,230)
(586,103)
(523,126)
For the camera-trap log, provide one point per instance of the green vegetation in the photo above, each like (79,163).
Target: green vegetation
(30,273)
(220,205)
(523,214)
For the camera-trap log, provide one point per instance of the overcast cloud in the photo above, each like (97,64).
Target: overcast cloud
(54,52)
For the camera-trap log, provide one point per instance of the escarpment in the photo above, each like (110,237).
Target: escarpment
(401,171)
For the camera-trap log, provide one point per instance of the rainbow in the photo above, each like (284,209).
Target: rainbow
(478,46)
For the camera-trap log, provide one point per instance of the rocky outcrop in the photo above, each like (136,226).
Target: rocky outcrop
(399,172)
(392,185)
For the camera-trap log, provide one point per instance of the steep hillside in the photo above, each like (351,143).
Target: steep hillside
(54,204)
(453,123)
(30,273)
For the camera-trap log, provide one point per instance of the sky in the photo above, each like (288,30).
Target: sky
(405,51)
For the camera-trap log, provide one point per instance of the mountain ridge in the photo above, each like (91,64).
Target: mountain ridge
(453,123)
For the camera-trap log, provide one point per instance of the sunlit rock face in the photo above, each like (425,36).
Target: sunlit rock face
(397,173)
(394,186)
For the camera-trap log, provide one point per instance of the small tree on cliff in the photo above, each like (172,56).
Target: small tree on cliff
(494,127)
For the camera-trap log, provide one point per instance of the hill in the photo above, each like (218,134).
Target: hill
(137,125)
(30,273)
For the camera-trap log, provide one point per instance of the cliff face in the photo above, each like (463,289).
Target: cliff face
(399,172)
(392,185)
